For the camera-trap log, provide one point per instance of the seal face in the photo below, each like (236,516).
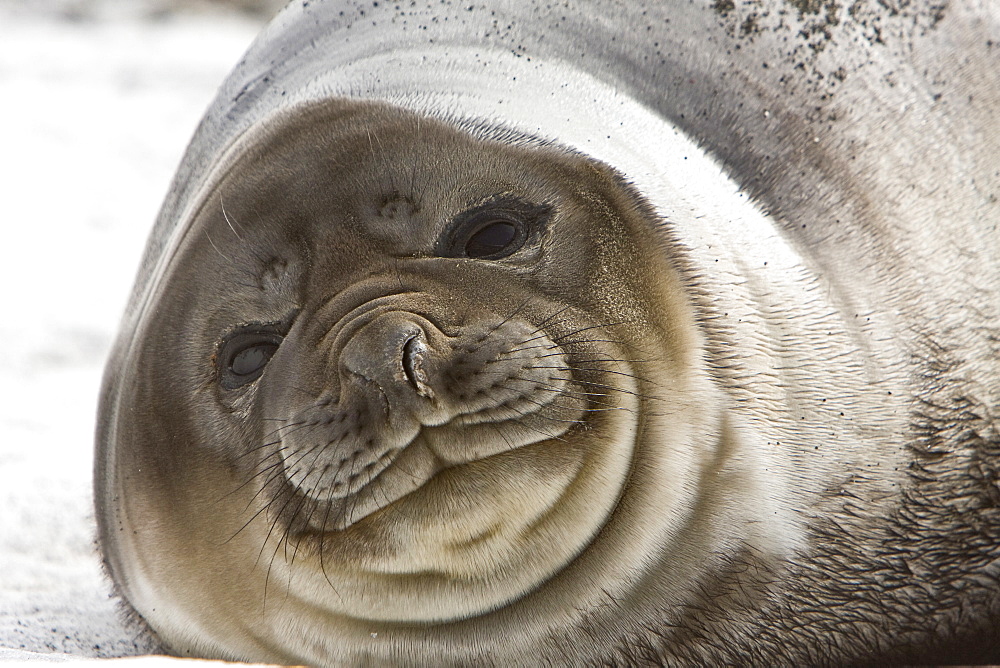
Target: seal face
(413,386)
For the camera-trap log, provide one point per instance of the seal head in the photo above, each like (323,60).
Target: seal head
(415,387)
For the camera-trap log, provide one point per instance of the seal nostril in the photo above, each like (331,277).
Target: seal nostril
(414,351)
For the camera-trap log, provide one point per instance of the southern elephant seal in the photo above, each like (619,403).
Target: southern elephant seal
(590,334)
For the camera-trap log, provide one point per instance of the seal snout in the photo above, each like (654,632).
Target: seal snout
(393,351)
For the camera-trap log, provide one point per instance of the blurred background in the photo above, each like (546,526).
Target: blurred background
(149,9)
(98,99)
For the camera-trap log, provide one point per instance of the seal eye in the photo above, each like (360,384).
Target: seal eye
(495,239)
(250,361)
(244,354)
(494,230)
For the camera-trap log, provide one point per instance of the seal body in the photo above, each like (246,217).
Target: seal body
(597,334)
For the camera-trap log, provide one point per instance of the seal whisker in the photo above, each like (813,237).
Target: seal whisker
(228,220)
(612,371)
(341,502)
(319,451)
(279,461)
(559,338)
(274,523)
(541,325)
(283,540)
(555,406)
(288,425)
(541,336)
(287,468)
(221,254)
(258,448)
(322,542)
(248,481)
(543,404)
(582,361)
(269,507)
(589,397)
(599,360)
(289,525)
(398,465)
(276,454)
(522,415)
(506,319)
(292,429)
(559,342)
(291,467)
(502,435)
(246,524)
(355,498)
(622,390)
(560,388)
(615,342)
(388,500)
(279,465)
(540,346)
(274,554)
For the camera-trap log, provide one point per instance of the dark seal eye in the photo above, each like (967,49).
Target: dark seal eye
(244,354)
(494,230)
(494,239)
